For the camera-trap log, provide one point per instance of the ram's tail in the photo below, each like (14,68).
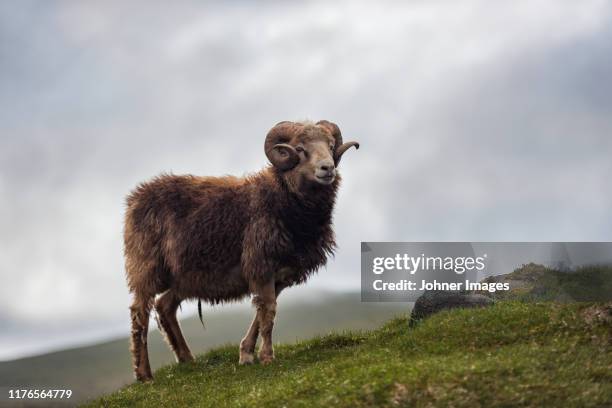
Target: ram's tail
(200,313)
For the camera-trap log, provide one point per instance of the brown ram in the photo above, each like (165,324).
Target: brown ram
(220,239)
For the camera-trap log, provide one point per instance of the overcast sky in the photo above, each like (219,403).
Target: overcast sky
(478,120)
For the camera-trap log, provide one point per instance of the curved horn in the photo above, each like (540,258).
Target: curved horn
(333,129)
(340,146)
(281,155)
(343,148)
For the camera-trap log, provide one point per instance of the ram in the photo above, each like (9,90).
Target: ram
(220,239)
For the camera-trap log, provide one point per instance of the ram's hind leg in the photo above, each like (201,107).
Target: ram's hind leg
(166,306)
(140,310)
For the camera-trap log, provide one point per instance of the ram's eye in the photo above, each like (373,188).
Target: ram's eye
(299,148)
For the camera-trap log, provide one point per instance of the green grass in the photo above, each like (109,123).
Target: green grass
(511,354)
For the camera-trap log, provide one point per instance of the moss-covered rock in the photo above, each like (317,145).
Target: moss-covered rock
(533,282)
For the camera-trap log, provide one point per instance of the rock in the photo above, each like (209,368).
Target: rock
(434,301)
(535,283)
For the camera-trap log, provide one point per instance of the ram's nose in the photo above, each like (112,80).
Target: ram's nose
(326,167)
(325,172)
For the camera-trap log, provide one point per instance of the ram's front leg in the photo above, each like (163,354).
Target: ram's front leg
(265,302)
(247,345)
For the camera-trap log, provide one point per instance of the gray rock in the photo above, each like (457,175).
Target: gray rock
(433,301)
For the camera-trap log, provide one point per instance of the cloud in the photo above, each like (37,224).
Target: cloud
(477,122)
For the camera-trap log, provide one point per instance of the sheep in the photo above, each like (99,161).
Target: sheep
(221,239)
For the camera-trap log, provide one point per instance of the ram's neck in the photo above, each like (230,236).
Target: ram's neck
(307,212)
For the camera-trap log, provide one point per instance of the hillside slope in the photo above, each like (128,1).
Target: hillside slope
(98,369)
(518,354)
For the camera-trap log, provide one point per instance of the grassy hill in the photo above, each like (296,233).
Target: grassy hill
(511,354)
(94,370)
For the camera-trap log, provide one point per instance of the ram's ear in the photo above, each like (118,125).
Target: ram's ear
(283,156)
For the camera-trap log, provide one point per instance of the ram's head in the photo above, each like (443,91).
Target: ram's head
(311,152)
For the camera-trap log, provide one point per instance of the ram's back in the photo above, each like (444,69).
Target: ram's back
(185,225)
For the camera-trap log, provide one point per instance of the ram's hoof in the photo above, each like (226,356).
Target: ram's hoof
(266,359)
(186,358)
(246,358)
(144,377)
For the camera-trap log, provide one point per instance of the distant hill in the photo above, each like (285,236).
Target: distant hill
(94,370)
(510,354)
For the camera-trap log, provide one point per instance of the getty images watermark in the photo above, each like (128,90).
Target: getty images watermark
(397,271)
(413,264)
(402,271)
